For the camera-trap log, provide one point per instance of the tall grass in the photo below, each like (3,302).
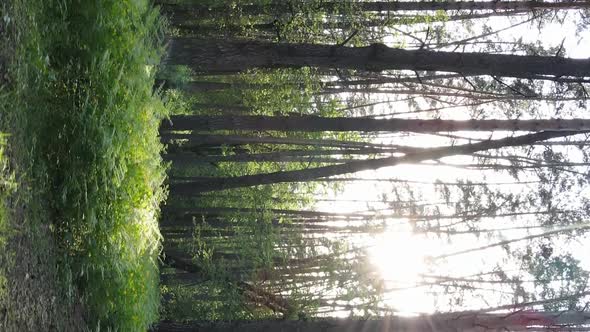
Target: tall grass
(88,120)
(6,186)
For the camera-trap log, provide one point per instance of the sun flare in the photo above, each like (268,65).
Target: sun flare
(401,258)
(399,255)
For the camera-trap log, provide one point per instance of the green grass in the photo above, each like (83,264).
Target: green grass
(85,121)
(6,184)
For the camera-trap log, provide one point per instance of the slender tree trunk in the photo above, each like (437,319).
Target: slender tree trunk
(476,322)
(174,259)
(183,217)
(300,160)
(234,56)
(315,123)
(196,140)
(504,243)
(206,86)
(189,24)
(447,91)
(223,108)
(566,143)
(180,278)
(278,156)
(384,6)
(357,166)
(381,80)
(187,20)
(433,183)
(262,157)
(391,6)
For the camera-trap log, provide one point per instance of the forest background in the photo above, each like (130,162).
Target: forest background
(327,165)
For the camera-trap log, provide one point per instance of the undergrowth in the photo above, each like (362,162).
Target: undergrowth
(6,185)
(84,111)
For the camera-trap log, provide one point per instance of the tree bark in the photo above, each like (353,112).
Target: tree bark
(277,156)
(188,160)
(475,322)
(174,260)
(357,166)
(182,11)
(317,124)
(391,6)
(184,217)
(217,56)
(197,140)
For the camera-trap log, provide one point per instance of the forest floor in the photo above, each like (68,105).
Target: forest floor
(80,169)
(32,296)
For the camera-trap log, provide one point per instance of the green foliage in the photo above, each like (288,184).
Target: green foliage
(294,21)
(6,186)
(558,276)
(87,117)
(252,246)
(256,92)
(207,301)
(268,256)
(255,238)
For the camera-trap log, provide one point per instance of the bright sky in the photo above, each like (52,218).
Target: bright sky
(401,255)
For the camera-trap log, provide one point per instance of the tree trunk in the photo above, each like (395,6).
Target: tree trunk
(392,6)
(206,86)
(320,124)
(196,140)
(184,217)
(217,56)
(475,322)
(191,188)
(186,278)
(277,156)
(228,109)
(174,260)
(276,159)
(446,91)
(180,12)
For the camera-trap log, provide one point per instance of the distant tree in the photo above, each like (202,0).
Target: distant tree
(315,123)
(216,56)
(212,184)
(382,6)
(459,322)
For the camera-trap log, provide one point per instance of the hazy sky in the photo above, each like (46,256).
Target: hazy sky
(401,254)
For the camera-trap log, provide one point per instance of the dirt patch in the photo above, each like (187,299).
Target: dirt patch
(36,299)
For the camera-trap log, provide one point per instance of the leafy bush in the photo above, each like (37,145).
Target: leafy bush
(89,121)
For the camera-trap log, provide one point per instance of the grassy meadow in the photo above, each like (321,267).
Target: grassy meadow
(81,176)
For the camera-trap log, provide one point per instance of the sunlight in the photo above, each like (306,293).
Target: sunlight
(400,255)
